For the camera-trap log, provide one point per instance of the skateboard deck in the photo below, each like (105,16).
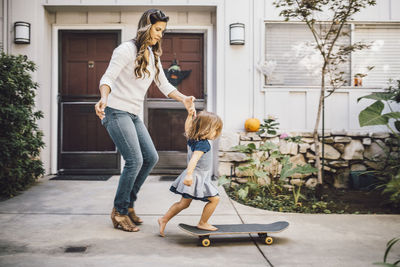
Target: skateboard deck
(228,229)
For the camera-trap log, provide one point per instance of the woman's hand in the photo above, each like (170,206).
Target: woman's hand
(188,180)
(100,106)
(188,102)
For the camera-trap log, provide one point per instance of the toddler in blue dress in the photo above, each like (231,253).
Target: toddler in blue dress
(195,181)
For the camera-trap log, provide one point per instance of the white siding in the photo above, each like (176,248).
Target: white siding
(298,114)
(296,109)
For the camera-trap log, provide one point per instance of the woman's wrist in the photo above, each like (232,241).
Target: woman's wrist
(104,91)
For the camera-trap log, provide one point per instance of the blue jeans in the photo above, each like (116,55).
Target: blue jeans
(133,141)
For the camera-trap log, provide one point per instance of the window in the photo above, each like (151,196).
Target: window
(291,57)
(384,53)
(292,60)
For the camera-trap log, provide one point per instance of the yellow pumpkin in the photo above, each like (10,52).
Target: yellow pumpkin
(252,125)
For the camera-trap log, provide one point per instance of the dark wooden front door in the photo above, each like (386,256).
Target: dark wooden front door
(164,117)
(84,144)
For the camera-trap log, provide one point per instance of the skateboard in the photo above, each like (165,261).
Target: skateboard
(228,229)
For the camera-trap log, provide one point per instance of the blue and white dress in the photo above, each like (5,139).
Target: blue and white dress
(202,187)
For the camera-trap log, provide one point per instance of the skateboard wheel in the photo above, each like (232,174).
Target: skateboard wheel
(205,242)
(269,240)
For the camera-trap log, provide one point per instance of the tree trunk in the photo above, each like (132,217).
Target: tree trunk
(315,133)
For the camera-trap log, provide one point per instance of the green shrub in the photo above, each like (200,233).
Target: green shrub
(20,138)
(372,115)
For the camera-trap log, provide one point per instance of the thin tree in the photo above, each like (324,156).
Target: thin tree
(328,22)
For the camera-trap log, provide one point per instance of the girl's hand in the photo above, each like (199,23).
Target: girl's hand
(188,180)
(192,111)
(100,106)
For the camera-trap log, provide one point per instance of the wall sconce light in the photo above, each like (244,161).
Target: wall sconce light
(22,32)
(236,33)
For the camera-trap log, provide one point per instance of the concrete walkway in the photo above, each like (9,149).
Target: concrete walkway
(38,225)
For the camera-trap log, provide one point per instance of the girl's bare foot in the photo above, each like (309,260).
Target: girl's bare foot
(206,226)
(162,225)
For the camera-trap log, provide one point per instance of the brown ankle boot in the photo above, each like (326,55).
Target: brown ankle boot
(122,221)
(134,218)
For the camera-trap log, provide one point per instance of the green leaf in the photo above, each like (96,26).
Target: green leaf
(275,154)
(378,96)
(389,246)
(223,180)
(392,115)
(252,146)
(260,174)
(397,125)
(268,146)
(372,115)
(242,193)
(242,148)
(286,171)
(305,169)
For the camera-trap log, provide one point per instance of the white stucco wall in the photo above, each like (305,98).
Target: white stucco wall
(38,51)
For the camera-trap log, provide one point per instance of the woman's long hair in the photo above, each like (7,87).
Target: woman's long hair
(204,124)
(142,40)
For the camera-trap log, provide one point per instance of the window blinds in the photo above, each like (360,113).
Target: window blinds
(291,56)
(384,54)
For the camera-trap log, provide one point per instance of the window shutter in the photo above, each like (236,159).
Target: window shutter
(384,54)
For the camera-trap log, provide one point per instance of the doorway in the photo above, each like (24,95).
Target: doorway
(84,146)
(165,118)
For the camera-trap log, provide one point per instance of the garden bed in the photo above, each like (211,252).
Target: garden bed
(332,201)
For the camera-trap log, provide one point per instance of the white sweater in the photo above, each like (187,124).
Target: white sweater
(127,91)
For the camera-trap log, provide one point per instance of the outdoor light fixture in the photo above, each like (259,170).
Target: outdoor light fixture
(236,33)
(22,31)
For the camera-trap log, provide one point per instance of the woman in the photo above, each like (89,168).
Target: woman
(133,67)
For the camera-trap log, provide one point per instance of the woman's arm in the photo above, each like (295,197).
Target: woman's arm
(191,166)
(169,90)
(187,101)
(120,58)
(102,103)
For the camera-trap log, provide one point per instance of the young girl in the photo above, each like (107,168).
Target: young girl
(195,181)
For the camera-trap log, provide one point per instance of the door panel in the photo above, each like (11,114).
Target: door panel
(165,118)
(84,144)
(168,136)
(178,47)
(81,130)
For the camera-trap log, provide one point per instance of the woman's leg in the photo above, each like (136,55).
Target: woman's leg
(150,158)
(122,131)
(173,210)
(208,210)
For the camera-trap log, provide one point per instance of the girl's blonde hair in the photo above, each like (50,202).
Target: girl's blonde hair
(142,41)
(205,124)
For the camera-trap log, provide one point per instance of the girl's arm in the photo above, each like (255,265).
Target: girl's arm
(189,119)
(191,166)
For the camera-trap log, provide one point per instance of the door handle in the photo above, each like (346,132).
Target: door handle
(90,64)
